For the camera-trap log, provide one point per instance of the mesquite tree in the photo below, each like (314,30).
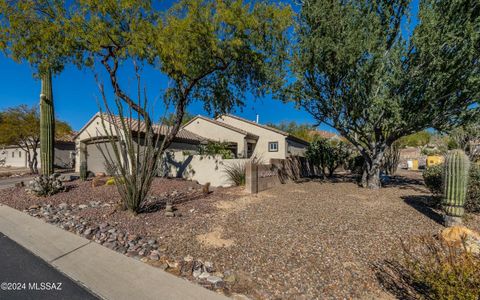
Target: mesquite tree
(210,51)
(31,31)
(358,69)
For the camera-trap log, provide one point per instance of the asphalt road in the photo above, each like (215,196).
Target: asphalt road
(25,276)
(10,181)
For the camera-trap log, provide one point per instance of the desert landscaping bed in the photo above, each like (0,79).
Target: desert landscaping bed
(299,240)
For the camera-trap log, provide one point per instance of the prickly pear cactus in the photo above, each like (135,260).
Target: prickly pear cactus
(455,181)
(47,125)
(45,185)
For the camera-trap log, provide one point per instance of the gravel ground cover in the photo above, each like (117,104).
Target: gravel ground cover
(308,240)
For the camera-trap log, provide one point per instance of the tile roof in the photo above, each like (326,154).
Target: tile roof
(292,137)
(225,125)
(140,126)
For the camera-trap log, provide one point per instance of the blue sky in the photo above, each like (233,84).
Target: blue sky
(76,94)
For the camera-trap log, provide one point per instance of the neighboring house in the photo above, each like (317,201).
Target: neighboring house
(248,138)
(14,156)
(411,154)
(93,135)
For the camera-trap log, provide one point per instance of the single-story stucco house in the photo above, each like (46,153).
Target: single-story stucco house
(15,156)
(248,138)
(93,135)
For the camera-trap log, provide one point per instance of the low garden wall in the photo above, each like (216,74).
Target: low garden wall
(260,177)
(199,167)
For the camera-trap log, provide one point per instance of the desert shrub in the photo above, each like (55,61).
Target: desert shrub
(433,179)
(355,164)
(236,171)
(327,155)
(391,159)
(440,271)
(213,148)
(44,185)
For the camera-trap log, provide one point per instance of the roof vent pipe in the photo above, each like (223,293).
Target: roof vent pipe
(258,117)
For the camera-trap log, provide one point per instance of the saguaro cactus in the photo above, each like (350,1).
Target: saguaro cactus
(455,182)
(83,170)
(47,125)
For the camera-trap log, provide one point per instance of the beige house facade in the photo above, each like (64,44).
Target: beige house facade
(92,139)
(248,138)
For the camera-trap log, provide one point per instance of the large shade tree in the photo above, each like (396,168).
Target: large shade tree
(20,126)
(213,52)
(32,32)
(360,70)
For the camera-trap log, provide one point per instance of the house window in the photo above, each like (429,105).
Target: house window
(272,146)
(19,153)
(13,154)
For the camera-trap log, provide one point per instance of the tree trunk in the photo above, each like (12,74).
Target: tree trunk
(47,125)
(35,161)
(371,169)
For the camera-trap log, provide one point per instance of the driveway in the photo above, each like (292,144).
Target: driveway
(25,276)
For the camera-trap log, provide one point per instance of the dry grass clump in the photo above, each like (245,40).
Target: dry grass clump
(433,269)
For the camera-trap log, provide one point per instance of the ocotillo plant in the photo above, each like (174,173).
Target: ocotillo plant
(455,183)
(47,125)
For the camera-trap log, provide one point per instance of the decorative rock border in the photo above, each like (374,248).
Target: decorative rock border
(146,249)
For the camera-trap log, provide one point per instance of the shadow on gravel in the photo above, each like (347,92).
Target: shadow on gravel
(405,183)
(396,279)
(336,178)
(155,204)
(425,205)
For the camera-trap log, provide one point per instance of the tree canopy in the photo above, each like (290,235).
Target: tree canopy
(302,131)
(36,32)
(358,71)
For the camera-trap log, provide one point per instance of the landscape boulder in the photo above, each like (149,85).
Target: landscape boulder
(99,181)
(458,236)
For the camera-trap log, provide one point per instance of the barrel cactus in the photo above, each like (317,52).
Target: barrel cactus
(455,183)
(47,125)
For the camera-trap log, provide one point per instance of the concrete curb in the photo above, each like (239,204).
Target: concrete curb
(106,273)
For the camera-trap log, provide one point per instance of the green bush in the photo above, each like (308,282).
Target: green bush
(440,271)
(236,173)
(216,148)
(433,180)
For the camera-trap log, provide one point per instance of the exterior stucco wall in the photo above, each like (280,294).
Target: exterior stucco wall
(218,133)
(200,168)
(265,136)
(19,159)
(95,129)
(295,148)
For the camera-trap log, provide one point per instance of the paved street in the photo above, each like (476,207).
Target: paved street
(29,277)
(10,181)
